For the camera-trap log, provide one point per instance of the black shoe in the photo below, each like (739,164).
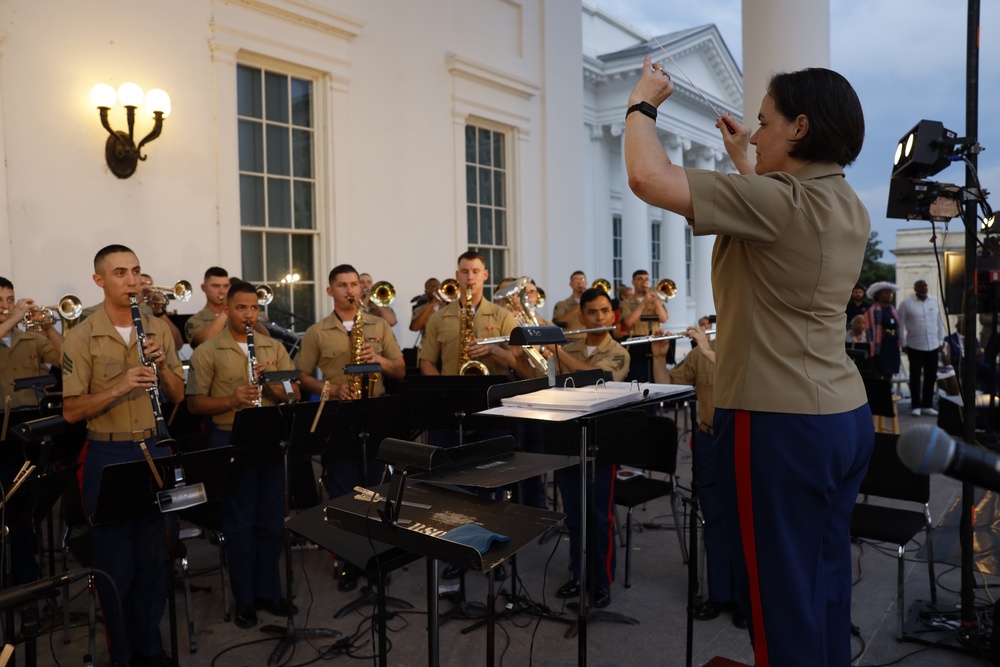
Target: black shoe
(246,616)
(451,572)
(707,610)
(347,580)
(279,607)
(570,589)
(602,598)
(739,620)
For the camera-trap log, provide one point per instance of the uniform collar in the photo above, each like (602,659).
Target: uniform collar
(818,170)
(102,326)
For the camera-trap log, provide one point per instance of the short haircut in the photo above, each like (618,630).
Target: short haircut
(365,274)
(240,288)
(836,121)
(470,255)
(639,272)
(6,284)
(577,273)
(860,287)
(215,272)
(108,250)
(592,294)
(342,268)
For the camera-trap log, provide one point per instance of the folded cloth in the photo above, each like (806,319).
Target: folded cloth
(475,536)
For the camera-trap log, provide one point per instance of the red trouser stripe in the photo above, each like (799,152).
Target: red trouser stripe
(610,509)
(744,495)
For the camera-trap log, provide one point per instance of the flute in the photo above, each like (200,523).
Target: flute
(654,339)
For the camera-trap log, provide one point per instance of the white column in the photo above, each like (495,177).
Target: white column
(701,268)
(635,227)
(781,36)
(672,231)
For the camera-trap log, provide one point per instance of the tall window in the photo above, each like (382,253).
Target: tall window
(688,253)
(616,249)
(654,252)
(486,199)
(278,190)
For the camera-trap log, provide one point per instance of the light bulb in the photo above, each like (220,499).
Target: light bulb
(158,100)
(130,94)
(103,95)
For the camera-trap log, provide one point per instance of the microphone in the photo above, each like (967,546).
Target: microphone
(926,449)
(17,595)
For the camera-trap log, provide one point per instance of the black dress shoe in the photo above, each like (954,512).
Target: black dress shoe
(246,616)
(570,589)
(707,610)
(602,598)
(347,580)
(739,620)
(279,607)
(451,572)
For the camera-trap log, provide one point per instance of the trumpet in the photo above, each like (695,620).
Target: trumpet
(68,309)
(448,291)
(382,294)
(179,291)
(666,289)
(265,295)
(654,339)
(541,298)
(602,284)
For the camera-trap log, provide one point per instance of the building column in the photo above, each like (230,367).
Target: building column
(635,225)
(672,231)
(701,264)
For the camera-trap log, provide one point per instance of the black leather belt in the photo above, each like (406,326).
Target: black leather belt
(133,436)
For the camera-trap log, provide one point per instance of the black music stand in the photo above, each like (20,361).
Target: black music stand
(446,401)
(263,435)
(412,519)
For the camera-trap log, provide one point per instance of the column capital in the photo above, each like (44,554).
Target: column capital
(676,141)
(596,130)
(617,129)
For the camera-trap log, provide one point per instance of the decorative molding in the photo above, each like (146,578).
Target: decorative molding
(617,129)
(464,68)
(308,14)
(596,130)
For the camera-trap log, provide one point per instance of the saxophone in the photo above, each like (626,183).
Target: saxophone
(355,380)
(466,337)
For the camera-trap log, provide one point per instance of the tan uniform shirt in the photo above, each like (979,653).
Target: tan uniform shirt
(640,328)
(327,344)
(608,356)
(575,323)
(198,320)
(24,359)
(787,257)
(698,371)
(219,366)
(95,358)
(441,337)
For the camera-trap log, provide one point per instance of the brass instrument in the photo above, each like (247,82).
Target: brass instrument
(265,295)
(68,310)
(355,380)
(541,298)
(666,289)
(154,391)
(448,291)
(383,294)
(251,362)
(514,297)
(466,337)
(602,284)
(180,291)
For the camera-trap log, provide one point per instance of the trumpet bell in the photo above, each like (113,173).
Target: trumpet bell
(383,294)
(179,291)
(448,291)
(265,295)
(666,289)
(541,298)
(70,307)
(473,367)
(602,284)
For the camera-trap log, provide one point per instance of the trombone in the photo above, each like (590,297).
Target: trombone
(382,294)
(179,291)
(265,295)
(68,310)
(448,291)
(666,289)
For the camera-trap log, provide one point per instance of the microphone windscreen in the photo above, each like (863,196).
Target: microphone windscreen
(925,449)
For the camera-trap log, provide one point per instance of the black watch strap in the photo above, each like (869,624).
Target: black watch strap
(645,108)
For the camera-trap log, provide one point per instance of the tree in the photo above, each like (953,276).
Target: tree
(873,270)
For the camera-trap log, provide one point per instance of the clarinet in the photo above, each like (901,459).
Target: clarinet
(154,391)
(251,361)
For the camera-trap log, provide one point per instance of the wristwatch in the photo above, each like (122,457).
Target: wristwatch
(645,108)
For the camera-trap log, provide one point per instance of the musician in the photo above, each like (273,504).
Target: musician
(566,313)
(643,302)
(219,385)
(385,312)
(698,370)
(23,353)
(426,305)
(156,302)
(210,320)
(441,344)
(597,350)
(104,384)
(326,345)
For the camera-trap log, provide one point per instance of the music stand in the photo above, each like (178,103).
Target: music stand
(446,401)
(263,436)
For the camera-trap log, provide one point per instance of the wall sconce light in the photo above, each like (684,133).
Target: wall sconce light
(120,151)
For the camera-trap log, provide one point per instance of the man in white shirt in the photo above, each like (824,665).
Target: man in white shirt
(922,332)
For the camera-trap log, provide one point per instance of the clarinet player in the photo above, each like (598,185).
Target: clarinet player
(104,384)
(224,379)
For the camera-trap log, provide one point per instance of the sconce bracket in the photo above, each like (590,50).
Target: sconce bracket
(121,154)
